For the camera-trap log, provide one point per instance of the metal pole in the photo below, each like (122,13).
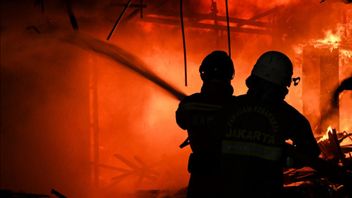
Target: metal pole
(119,19)
(183,41)
(228,27)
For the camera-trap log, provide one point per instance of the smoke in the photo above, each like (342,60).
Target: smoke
(333,108)
(125,59)
(47,76)
(42,93)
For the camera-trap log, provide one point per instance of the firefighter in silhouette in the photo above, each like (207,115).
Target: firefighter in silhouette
(198,114)
(258,123)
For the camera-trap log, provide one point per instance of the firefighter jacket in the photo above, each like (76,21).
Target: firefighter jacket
(253,145)
(199,115)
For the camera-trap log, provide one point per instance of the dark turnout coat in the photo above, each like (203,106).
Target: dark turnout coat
(199,115)
(253,145)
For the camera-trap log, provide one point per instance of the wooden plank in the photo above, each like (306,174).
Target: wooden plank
(196,24)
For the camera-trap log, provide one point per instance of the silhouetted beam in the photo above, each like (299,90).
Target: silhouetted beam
(183,41)
(119,19)
(57,193)
(199,17)
(228,28)
(71,15)
(132,14)
(345,1)
(133,5)
(241,21)
(208,26)
(10,194)
(264,14)
(122,57)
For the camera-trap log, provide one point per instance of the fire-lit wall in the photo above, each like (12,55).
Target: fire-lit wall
(44,117)
(320,73)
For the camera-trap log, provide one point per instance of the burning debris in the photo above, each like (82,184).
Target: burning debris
(331,148)
(329,178)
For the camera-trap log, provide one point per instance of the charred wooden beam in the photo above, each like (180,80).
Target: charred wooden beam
(71,15)
(132,14)
(261,15)
(209,26)
(9,193)
(57,193)
(201,17)
(119,19)
(183,40)
(133,5)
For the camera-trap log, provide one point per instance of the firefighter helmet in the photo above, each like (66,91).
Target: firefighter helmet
(275,67)
(217,65)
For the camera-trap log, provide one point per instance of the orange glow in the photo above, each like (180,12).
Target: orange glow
(47,104)
(246,9)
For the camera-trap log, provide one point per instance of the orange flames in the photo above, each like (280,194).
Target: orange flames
(326,135)
(136,118)
(331,40)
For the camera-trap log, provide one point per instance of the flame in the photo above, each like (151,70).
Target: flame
(330,39)
(326,135)
(298,49)
(346,53)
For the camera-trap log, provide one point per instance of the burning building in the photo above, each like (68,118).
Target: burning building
(89,88)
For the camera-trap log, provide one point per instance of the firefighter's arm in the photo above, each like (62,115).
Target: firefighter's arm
(322,166)
(181,118)
(304,140)
(183,113)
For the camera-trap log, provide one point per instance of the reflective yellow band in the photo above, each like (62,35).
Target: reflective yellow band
(252,149)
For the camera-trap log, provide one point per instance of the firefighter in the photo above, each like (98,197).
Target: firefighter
(198,114)
(257,126)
